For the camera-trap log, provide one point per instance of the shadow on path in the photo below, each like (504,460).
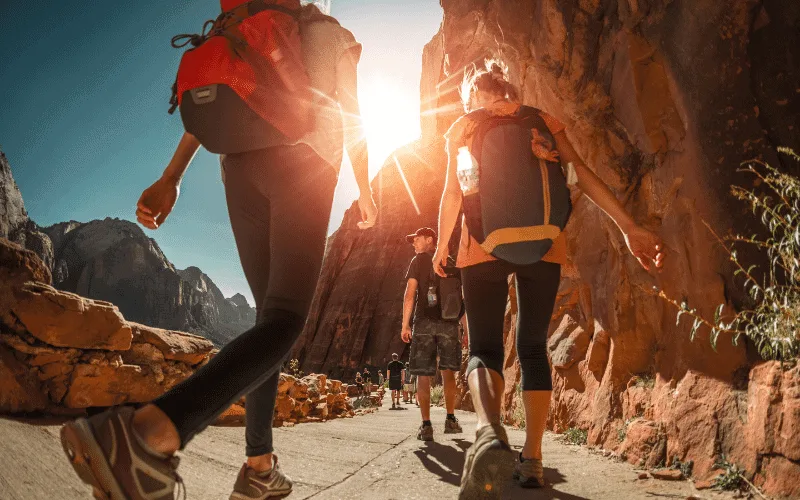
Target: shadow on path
(551,477)
(451,458)
(447,462)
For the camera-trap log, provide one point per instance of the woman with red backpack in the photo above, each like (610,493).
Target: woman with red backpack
(279,189)
(516,204)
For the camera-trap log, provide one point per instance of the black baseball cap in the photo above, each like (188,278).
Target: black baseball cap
(423,231)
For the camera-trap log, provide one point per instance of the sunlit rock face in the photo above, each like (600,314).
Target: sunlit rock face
(663,100)
(356,314)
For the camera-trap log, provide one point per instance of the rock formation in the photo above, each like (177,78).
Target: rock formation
(14,222)
(113,260)
(663,100)
(61,353)
(356,313)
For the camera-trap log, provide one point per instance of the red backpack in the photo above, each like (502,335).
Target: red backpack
(243,86)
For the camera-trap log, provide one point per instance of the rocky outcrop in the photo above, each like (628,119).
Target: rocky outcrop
(62,353)
(114,261)
(14,222)
(356,314)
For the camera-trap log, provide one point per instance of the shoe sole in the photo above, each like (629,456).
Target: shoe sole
(89,461)
(453,431)
(239,496)
(491,472)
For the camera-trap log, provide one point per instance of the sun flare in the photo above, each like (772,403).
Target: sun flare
(391,118)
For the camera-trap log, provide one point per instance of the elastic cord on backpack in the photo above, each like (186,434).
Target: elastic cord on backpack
(220,27)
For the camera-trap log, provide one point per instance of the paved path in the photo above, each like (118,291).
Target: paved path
(375,456)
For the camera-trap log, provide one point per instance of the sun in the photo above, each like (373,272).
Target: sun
(391,118)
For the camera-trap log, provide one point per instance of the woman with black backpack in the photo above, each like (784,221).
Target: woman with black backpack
(516,204)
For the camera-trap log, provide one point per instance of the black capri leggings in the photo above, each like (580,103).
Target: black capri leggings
(485,296)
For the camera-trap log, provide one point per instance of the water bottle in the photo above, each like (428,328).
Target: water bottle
(432,296)
(467,171)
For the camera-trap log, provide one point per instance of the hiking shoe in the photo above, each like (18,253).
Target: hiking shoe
(109,456)
(425,433)
(488,466)
(250,485)
(529,472)
(452,427)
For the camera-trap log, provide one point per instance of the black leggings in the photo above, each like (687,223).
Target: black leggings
(279,202)
(485,297)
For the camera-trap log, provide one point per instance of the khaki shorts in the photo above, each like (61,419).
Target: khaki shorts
(408,388)
(432,339)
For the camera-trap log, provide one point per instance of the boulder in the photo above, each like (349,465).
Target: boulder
(174,345)
(20,391)
(103,386)
(67,320)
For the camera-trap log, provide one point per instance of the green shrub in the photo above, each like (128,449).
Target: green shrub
(293,368)
(576,436)
(731,478)
(771,316)
(437,395)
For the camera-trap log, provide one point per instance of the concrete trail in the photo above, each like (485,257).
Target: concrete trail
(376,456)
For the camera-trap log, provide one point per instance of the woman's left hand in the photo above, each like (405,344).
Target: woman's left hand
(440,259)
(646,246)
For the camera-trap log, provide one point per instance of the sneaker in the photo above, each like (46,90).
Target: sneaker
(452,427)
(529,472)
(108,456)
(250,485)
(488,466)
(425,433)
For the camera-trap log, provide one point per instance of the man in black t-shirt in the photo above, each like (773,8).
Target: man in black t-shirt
(431,337)
(396,371)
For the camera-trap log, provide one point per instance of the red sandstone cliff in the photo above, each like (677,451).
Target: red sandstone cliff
(663,99)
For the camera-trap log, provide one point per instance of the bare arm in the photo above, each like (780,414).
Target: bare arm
(643,244)
(408,307)
(354,137)
(157,201)
(184,154)
(592,186)
(448,209)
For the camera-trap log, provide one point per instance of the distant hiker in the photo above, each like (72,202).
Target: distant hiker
(516,203)
(396,371)
(432,336)
(359,384)
(409,383)
(367,380)
(381,380)
(280,171)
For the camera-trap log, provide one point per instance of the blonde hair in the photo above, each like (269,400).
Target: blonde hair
(494,79)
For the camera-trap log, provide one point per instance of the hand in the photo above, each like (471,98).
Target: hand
(369,211)
(406,334)
(440,259)
(646,247)
(157,202)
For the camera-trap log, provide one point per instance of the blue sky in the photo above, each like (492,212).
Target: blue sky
(84,123)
